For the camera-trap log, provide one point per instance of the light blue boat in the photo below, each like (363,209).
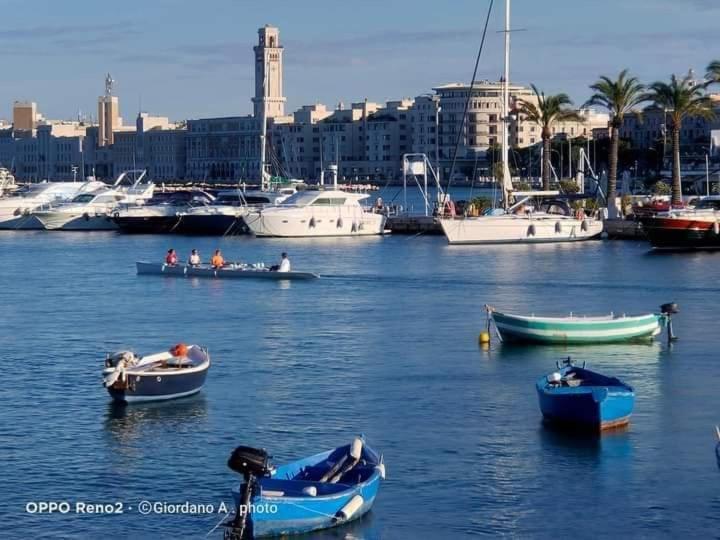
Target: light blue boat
(318,492)
(577,397)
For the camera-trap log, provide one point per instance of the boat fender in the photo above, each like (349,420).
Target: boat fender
(86,216)
(270,493)
(716,227)
(350,509)
(558,227)
(310,491)
(380,468)
(356,448)
(311,223)
(585,226)
(361,226)
(339,223)
(531,230)
(116,215)
(354,227)
(17,212)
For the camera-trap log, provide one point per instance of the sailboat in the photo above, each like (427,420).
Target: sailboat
(520,222)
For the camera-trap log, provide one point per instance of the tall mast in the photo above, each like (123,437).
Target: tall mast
(263,139)
(507,180)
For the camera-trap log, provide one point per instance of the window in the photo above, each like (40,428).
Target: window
(327,201)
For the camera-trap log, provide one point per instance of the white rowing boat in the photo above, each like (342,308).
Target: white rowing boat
(229,271)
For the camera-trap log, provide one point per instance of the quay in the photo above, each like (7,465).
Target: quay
(623,229)
(408,224)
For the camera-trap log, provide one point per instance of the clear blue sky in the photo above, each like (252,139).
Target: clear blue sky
(193,58)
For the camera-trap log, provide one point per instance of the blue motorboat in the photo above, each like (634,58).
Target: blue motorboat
(318,492)
(577,397)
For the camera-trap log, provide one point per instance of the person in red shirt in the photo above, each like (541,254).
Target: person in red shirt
(171,257)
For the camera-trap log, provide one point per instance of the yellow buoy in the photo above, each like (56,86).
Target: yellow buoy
(484,337)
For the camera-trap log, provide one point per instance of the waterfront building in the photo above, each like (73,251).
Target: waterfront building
(25,116)
(223,149)
(156,144)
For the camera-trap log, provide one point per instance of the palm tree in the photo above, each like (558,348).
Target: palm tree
(713,71)
(619,97)
(681,98)
(549,111)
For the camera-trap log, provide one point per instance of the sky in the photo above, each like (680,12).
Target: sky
(193,58)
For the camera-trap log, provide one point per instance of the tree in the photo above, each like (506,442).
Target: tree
(713,71)
(550,110)
(619,97)
(681,98)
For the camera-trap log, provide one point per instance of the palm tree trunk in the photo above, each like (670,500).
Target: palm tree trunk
(612,174)
(676,181)
(546,163)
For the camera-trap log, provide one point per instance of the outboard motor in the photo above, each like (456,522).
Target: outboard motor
(670,309)
(251,463)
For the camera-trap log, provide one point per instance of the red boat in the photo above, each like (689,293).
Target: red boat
(698,228)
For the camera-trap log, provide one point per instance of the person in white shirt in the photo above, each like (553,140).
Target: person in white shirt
(194,259)
(284,263)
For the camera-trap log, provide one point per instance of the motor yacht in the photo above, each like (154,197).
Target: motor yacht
(317,213)
(161,214)
(16,211)
(93,211)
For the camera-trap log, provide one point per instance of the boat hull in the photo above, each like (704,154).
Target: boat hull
(157,386)
(147,224)
(183,270)
(25,222)
(597,409)
(211,225)
(577,330)
(297,515)
(510,229)
(680,233)
(291,223)
(76,222)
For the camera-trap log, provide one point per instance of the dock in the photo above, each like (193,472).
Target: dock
(623,229)
(409,224)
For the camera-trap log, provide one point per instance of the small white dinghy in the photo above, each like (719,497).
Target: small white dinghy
(176,373)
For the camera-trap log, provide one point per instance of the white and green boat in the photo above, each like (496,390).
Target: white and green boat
(576,328)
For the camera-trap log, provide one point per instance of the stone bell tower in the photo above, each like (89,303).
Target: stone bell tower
(268,74)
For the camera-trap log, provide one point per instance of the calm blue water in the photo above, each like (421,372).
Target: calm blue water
(385,345)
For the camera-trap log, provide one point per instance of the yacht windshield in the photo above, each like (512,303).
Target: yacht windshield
(301,198)
(708,204)
(84,198)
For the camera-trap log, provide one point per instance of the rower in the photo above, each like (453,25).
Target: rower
(171,257)
(284,263)
(217,260)
(194,259)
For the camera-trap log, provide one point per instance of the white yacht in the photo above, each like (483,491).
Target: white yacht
(93,211)
(16,210)
(317,213)
(553,221)
(520,222)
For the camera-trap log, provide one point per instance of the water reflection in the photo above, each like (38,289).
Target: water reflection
(127,423)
